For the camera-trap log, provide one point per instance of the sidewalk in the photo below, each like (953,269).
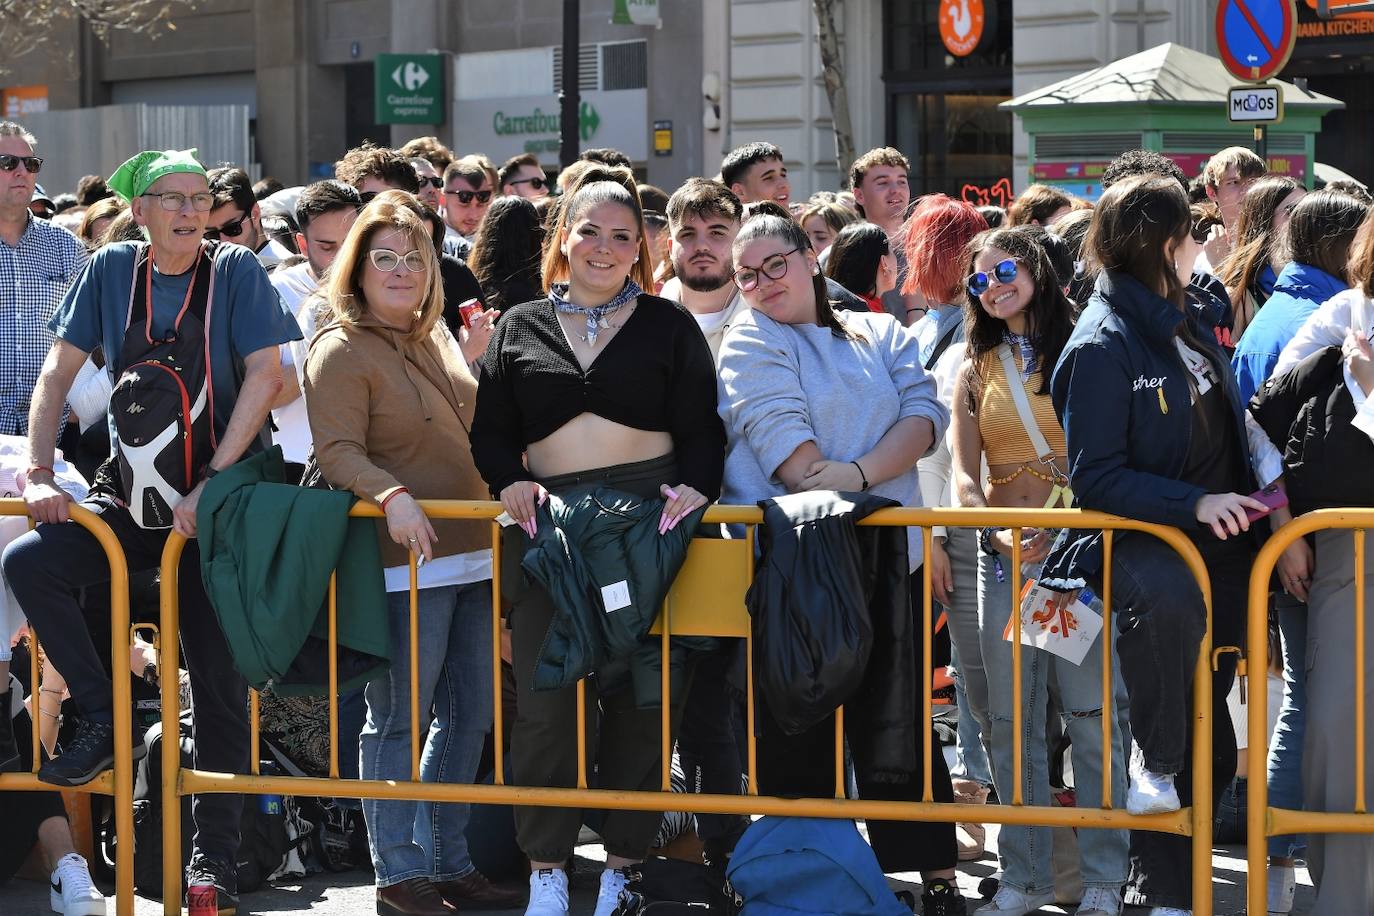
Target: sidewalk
(351,894)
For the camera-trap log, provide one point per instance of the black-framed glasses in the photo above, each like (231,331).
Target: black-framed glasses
(537,182)
(31,164)
(434,181)
(174,201)
(232,229)
(385,260)
(467,197)
(774,267)
(981,281)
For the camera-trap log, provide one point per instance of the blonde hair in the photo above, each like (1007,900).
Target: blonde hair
(388,211)
(596,186)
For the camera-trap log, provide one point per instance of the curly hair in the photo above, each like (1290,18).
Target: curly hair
(372,161)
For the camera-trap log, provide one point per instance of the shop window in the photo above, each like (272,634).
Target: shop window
(958,143)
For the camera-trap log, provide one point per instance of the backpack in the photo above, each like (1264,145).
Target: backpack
(788,865)
(660,885)
(163,402)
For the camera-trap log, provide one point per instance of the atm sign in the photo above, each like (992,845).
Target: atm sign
(1255,104)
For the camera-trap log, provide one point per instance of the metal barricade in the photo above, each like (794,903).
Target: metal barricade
(707,598)
(1263,821)
(118,782)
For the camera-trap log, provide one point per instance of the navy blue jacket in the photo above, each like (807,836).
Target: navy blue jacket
(1122,394)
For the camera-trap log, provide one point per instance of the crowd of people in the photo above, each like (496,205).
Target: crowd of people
(604,357)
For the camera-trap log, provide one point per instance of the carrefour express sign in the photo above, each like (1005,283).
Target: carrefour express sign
(532,124)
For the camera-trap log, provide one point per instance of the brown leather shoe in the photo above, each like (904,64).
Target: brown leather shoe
(473,889)
(412,897)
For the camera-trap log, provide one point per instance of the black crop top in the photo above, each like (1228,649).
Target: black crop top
(655,374)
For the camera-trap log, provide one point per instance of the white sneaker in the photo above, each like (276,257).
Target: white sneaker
(1283,880)
(1011,902)
(613,881)
(1100,901)
(548,893)
(1170,911)
(1149,793)
(70,889)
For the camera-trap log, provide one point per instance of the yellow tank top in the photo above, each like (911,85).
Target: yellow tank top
(1004,437)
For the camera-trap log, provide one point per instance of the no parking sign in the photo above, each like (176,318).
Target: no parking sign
(1255,37)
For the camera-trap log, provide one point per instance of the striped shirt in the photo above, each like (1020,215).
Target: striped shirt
(34,276)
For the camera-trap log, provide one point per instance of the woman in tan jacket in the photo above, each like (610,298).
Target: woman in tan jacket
(390,401)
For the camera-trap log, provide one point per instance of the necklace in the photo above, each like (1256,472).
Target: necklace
(595,316)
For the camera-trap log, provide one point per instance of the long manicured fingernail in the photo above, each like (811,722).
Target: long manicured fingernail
(672,494)
(672,523)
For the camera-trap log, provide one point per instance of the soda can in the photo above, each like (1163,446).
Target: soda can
(468,310)
(202,900)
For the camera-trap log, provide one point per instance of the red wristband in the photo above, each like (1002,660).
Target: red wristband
(39,467)
(392,495)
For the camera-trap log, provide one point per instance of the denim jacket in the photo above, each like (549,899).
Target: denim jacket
(1122,393)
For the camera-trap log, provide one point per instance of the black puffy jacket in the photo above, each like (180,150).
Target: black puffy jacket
(832,624)
(1307,413)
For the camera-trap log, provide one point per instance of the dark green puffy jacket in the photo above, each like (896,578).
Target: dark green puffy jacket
(267,549)
(600,557)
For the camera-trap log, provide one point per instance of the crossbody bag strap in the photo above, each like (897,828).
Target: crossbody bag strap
(1023,408)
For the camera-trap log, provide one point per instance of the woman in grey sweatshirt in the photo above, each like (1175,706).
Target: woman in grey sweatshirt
(818,399)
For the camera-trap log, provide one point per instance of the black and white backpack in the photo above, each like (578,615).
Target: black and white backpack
(163,401)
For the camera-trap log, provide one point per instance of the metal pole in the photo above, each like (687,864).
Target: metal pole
(1261,143)
(570,94)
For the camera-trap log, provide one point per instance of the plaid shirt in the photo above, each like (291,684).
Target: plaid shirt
(34,276)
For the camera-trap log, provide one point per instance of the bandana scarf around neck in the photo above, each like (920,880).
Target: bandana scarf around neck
(1028,359)
(596,317)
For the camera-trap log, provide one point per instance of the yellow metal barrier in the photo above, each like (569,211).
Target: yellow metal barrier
(1262,820)
(119,782)
(707,598)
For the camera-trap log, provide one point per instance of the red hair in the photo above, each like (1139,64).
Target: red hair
(936,235)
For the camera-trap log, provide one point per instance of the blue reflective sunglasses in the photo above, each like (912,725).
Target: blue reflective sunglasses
(1004,271)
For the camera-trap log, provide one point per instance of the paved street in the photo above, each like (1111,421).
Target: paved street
(350,894)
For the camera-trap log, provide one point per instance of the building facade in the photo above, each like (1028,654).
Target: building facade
(925,76)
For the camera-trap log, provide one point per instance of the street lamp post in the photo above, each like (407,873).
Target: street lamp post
(570,93)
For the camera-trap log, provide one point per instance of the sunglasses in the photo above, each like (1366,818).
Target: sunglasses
(773,267)
(433,181)
(536,183)
(9,163)
(232,229)
(482,197)
(980,282)
(386,260)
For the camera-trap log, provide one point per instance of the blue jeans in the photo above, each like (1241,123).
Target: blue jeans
(425,839)
(1285,751)
(966,657)
(1026,851)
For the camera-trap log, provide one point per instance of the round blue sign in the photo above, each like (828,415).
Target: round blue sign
(1255,37)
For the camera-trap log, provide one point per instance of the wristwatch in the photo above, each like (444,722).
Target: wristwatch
(208,472)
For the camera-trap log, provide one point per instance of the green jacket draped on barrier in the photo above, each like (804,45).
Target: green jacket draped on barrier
(267,549)
(600,557)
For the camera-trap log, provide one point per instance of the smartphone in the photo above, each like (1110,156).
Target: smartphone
(1272,497)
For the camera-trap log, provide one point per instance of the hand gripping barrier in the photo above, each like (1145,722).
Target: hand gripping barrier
(708,599)
(119,782)
(1262,820)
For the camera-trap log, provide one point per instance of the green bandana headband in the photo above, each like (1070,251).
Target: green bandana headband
(137,174)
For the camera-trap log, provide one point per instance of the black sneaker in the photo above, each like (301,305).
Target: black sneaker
(210,870)
(9,750)
(942,898)
(89,753)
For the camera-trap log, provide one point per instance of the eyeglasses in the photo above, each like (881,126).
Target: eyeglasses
(434,181)
(537,183)
(1004,271)
(9,163)
(174,201)
(232,229)
(386,260)
(774,267)
(482,197)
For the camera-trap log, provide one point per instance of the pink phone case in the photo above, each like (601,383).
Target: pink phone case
(1272,497)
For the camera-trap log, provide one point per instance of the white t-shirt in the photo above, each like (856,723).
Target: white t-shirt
(294,285)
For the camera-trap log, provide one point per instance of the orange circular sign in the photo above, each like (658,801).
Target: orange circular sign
(961,25)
